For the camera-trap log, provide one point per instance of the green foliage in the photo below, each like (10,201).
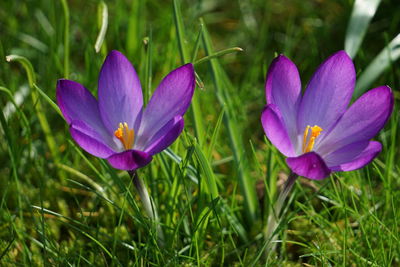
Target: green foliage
(215,186)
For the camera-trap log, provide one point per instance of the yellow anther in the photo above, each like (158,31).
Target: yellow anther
(309,144)
(305,134)
(125,135)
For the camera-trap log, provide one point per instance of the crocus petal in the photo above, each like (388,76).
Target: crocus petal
(345,154)
(328,93)
(129,160)
(283,88)
(90,140)
(364,158)
(120,93)
(171,98)
(276,131)
(166,136)
(78,106)
(309,165)
(362,121)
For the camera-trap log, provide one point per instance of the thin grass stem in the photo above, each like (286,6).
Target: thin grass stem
(274,216)
(148,204)
(66,37)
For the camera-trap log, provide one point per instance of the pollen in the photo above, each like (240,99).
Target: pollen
(308,142)
(125,135)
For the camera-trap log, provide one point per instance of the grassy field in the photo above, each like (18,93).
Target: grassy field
(215,186)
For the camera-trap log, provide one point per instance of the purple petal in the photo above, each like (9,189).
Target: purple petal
(283,88)
(362,121)
(276,131)
(171,98)
(90,140)
(364,158)
(129,160)
(120,93)
(345,154)
(79,107)
(309,165)
(328,93)
(166,136)
(77,103)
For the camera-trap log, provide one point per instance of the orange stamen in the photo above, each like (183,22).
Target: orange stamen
(315,132)
(125,135)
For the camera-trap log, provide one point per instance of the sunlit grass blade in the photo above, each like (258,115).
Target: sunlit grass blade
(44,22)
(208,172)
(8,113)
(48,100)
(103,22)
(192,171)
(135,27)
(391,146)
(195,106)
(14,159)
(6,249)
(180,31)
(214,135)
(245,182)
(65,7)
(148,45)
(27,66)
(10,142)
(200,227)
(32,41)
(381,62)
(218,54)
(197,44)
(83,177)
(40,112)
(363,12)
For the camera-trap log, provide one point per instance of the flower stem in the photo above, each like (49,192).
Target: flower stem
(147,203)
(274,218)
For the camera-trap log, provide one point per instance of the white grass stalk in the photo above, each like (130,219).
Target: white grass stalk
(148,204)
(274,216)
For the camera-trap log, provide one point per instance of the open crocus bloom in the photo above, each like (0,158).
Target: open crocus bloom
(116,126)
(317,132)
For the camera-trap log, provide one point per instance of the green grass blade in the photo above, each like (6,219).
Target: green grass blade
(180,31)
(245,182)
(208,172)
(103,21)
(214,135)
(363,12)
(197,44)
(20,112)
(65,7)
(148,67)
(218,54)
(27,66)
(195,106)
(10,144)
(48,100)
(381,62)
(40,111)
(135,27)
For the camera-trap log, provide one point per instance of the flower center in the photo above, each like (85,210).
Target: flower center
(125,135)
(308,143)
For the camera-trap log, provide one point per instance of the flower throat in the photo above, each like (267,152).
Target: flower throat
(308,143)
(125,135)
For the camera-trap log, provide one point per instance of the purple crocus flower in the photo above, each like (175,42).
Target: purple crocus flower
(117,127)
(317,131)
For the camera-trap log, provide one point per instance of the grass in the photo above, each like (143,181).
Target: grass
(215,186)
